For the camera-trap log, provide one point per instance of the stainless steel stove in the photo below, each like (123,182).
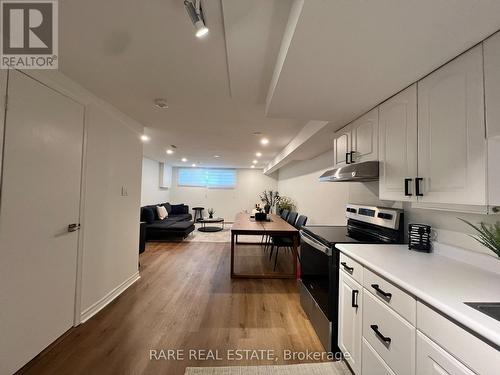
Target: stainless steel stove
(319,262)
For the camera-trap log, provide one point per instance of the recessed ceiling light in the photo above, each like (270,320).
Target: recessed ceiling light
(258,154)
(253,166)
(193,165)
(170,152)
(145,138)
(184,160)
(161,103)
(264,141)
(216,156)
(255,161)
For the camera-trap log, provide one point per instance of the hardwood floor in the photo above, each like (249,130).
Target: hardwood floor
(184,300)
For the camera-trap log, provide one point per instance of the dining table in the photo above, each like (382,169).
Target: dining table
(273,226)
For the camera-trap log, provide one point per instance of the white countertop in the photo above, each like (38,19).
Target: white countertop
(439,281)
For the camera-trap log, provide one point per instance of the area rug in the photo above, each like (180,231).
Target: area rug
(222,236)
(326,368)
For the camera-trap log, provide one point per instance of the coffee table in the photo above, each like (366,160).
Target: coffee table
(210,228)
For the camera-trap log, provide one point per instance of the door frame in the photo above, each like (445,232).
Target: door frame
(51,84)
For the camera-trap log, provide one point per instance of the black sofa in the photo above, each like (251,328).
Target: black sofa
(178,223)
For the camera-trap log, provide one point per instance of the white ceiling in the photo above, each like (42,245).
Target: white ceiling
(130,52)
(345,57)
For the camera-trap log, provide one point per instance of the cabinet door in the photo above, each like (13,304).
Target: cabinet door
(365,137)
(372,364)
(350,321)
(398,146)
(341,147)
(434,360)
(492,85)
(451,133)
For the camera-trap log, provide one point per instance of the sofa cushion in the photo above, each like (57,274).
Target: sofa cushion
(182,217)
(147,215)
(162,212)
(178,209)
(168,207)
(161,224)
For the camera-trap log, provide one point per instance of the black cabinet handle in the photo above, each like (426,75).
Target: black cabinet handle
(351,154)
(347,268)
(354,299)
(407,188)
(380,291)
(347,157)
(417,187)
(379,335)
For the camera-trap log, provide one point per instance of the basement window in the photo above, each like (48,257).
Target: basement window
(212,178)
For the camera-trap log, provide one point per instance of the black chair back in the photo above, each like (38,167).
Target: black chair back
(301,221)
(292,217)
(284,214)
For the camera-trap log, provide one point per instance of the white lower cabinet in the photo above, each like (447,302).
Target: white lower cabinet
(350,321)
(434,360)
(392,337)
(373,364)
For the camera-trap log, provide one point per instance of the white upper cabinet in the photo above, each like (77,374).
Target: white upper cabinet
(492,85)
(342,147)
(364,144)
(398,146)
(357,141)
(451,133)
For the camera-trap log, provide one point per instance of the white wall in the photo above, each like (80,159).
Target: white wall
(151,192)
(226,202)
(321,202)
(111,221)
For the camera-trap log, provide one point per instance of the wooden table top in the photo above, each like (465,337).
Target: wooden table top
(244,224)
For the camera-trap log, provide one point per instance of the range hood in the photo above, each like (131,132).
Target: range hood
(364,171)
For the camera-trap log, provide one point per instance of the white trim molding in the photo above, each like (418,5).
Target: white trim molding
(108,298)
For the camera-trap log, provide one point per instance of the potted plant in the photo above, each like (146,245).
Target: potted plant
(211,212)
(285,203)
(487,235)
(270,198)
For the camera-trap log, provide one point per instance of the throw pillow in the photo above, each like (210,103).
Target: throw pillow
(177,209)
(162,212)
(148,215)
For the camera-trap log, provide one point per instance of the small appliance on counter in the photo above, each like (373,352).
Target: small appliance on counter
(419,237)
(320,262)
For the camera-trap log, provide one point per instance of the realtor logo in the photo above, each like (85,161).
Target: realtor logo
(29,34)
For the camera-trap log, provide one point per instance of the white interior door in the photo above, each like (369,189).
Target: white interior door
(398,146)
(40,197)
(451,132)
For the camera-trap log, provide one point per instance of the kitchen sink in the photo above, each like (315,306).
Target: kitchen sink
(491,309)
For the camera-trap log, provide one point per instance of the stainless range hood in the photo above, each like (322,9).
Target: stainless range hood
(364,171)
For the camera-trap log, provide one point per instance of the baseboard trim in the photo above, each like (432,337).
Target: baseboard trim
(103,302)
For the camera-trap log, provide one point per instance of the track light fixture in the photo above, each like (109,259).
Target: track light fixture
(195,12)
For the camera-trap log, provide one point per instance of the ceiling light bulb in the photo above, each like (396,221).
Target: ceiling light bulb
(255,162)
(145,138)
(184,160)
(216,156)
(170,152)
(253,166)
(201,29)
(193,165)
(258,154)
(264,141)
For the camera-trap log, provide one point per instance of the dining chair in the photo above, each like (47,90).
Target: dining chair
(285,242)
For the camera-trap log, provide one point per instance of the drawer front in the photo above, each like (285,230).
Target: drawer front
(390,295)
(473,352)
(352,268)
(392,337)
(434,360)
(319,321)
(372,363)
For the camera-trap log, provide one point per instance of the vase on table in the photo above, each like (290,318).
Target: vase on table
(267,208)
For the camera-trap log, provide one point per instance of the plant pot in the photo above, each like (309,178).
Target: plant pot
(210,216)
(267,208)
